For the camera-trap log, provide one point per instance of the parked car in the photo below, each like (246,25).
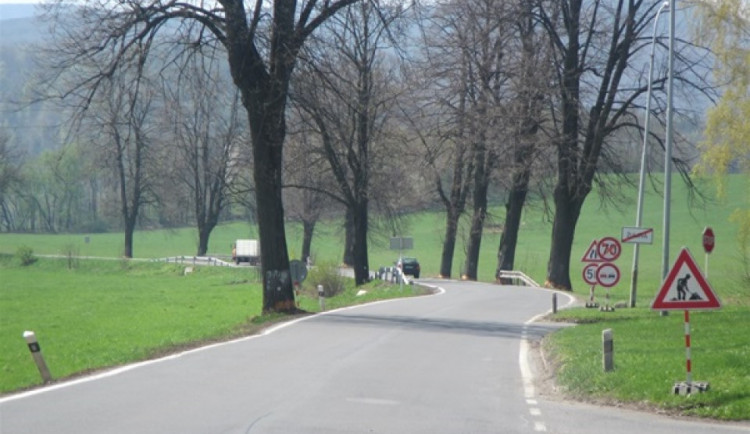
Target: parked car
(409,266)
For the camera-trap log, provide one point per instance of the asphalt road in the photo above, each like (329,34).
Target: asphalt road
(457,362)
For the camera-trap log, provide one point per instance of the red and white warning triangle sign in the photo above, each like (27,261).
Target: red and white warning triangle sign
(685,288)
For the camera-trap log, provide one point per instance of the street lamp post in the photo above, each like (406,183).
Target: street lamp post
(642,181)
(668,146)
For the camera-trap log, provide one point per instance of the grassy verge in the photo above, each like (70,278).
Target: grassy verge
(100,313)
(650,358)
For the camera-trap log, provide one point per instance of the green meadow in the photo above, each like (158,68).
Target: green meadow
(97,313)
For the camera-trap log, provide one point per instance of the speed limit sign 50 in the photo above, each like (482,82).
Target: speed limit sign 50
(589,273)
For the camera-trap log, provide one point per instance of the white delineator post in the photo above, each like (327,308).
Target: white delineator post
(321,298)
(36,353)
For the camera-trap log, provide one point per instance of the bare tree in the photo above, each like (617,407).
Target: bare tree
(262,46)
(203,113)
(123,133)
(346,98)
(307,177)
(481,36)
(594,44)
(467,47)
(528,84)
(439,119)
(10,180)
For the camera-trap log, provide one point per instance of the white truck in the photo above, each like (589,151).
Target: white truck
(246,251)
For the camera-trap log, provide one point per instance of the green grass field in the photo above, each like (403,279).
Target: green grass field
(103,313)
(86,311)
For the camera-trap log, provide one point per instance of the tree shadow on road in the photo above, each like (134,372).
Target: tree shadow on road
(444,325)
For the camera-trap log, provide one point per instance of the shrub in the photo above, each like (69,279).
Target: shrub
(25,256)
(329,276)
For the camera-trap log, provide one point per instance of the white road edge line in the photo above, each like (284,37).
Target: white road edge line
(136,365)
(524,363)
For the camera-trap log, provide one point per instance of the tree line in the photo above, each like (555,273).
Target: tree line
(363,108)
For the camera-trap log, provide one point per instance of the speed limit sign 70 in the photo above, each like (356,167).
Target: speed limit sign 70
(609,249)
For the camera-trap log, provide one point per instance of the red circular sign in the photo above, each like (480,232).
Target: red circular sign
(607,275)
(708,240)
(609,249)
(589,273)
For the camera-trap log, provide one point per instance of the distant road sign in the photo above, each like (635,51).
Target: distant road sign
(589,273)
(708,240)
(685,288)
(637,235)
(609,249)
(402,243)
(607,275)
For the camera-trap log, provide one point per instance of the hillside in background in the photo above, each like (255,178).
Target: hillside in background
(35,128)
(31,128)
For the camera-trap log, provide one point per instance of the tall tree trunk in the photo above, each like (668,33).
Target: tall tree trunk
(566,216)
(567,211)
(268,130)
(506,253)
(308,227)
(349,237)
(359,248)
(455,204)
(449,243)
(529,100)
(129,230)
(203,234)
(481,185)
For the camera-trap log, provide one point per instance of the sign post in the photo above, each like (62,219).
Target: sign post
(607,275)
(685,288)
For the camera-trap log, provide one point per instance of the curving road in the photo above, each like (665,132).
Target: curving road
(457,362)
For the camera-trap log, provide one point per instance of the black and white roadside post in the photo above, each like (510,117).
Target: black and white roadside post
(36,353)
(321,298)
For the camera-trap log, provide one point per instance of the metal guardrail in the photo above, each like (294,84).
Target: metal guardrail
(196,260)
(517,276)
